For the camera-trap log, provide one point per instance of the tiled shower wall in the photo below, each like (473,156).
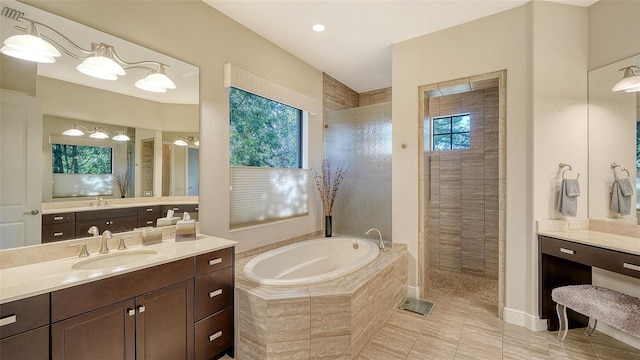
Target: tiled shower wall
(462,201)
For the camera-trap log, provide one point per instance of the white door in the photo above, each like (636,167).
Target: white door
(20,170)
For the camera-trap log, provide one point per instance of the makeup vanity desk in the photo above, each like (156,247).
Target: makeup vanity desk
(566,258)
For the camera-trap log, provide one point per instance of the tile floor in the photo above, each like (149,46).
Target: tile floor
(461,329)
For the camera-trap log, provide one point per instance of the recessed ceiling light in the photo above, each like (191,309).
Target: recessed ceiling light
(319,27)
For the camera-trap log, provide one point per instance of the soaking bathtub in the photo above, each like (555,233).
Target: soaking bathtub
(311,262)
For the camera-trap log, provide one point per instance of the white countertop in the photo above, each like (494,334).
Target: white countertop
(609,241)
(29,280)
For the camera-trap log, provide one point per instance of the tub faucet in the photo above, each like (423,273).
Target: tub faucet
(94,231)
(106,235)
(381,244)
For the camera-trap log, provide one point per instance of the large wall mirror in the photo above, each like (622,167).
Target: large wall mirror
(161,157)
(613,139)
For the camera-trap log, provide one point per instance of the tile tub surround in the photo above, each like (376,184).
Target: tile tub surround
(331,320)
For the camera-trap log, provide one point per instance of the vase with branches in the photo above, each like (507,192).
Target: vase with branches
(328,179)
(122,180)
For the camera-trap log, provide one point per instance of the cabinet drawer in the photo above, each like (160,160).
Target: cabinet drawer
(144,210)
(22,315)
(567,250)
(32,345)
(106,214)
(214,334)
(58,218)
(212,261)
(179,208)
(214,292)
(148,220)
(58,232)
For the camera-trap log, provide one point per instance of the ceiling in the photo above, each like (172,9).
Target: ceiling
(356,46)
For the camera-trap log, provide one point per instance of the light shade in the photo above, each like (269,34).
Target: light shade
(30,47)
(629,81)
(102,65)
(99,133)
(121,136)
(180,142)
(143,84)
(73,131)
(157,81)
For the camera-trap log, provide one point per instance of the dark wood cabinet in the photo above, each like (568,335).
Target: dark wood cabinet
(164,323)
(64,226)
(214,291)
(150,313)
(30,345)
(24,328)
(563,262)
(108,331)
(58,227)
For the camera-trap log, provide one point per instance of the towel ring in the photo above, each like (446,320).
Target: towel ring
(566,168)
(614,166)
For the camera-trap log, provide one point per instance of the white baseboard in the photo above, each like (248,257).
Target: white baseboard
(413,291)
(521,318)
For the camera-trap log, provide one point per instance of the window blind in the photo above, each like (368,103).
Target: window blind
(261,195)
(256,84)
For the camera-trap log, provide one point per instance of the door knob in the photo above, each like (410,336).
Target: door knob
(35,212)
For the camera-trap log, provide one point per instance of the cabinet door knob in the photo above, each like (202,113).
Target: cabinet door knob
(213,294)
(141,309)
(215,336)
(215,261)
(131,312)
(7,320)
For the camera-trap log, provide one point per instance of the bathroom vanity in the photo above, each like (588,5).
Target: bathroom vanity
(566,258)
(178,304)
(58,225)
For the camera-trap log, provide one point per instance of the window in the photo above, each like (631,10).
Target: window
(265,153)
(451,132)
(79,159)
(263,132)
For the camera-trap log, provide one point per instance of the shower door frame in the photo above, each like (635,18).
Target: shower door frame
(452,87)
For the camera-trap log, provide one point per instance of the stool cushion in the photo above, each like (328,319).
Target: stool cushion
(616,309)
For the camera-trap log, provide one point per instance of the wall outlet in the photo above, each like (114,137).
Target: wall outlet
(574,225)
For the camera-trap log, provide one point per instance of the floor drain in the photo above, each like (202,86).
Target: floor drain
(417,306)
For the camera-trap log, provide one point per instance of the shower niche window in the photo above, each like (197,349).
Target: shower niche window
(451,132)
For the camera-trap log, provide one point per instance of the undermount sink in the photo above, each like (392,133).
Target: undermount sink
(115,259)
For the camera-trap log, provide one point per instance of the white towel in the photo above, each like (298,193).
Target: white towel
(621,192)
(568,197)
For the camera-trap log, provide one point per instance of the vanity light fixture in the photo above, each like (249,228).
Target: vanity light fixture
(184,141)
(74,130)
(121,136)
(630,81)
(101,61)
(99,133)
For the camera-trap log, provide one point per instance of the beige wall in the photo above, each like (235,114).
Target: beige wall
(196,33)
(540,45)
(73,101)
(614,31)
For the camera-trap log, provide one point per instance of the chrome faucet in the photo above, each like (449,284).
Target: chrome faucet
(381,244)
(94,231)
(104,248)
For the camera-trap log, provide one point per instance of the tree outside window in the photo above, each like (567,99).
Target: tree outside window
(78,159)
(451,132)
(263,132)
